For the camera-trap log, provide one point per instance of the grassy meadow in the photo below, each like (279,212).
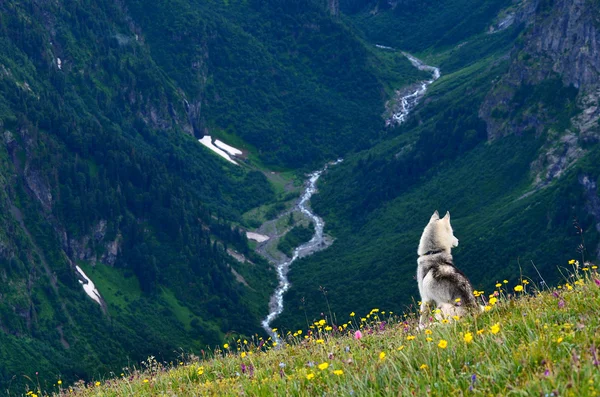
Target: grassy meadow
(530,340)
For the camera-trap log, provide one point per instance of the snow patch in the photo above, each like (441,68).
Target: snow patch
(229,149)
(257,237)
(89,287)
(207,141)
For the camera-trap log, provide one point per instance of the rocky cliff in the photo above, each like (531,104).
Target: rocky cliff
(552,86)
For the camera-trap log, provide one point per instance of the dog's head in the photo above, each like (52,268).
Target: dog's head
(438,235)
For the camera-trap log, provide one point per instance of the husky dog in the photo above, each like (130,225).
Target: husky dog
(440,282)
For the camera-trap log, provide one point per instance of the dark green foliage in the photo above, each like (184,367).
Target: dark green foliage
(289,80)
(94,154)
(416,25)
(555,100)
(377,202)
(295,237)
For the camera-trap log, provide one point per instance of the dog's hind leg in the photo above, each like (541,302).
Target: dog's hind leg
(425,311)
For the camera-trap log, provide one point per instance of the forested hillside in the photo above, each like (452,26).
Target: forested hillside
(506,140)
(102,176)
(101,106)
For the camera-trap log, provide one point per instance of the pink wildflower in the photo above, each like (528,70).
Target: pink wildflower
(358,335)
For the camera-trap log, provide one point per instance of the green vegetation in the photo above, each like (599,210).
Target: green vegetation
(415,25)
(528,341)
(377,202)
(101,106)
(295,237)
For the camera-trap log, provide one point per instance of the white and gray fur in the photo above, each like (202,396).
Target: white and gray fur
(440,282)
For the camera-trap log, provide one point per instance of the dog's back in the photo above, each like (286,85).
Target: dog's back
(440,282)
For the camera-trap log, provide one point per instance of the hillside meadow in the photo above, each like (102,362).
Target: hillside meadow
(530,340)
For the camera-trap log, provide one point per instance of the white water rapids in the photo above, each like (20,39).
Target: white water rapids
(315,244)
(406,102)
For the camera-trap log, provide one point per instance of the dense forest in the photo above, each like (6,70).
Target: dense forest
(102,104)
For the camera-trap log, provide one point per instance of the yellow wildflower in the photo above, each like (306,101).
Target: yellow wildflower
(410,337)
(468,337)
(494,329)
(243,355)
(226,345)
(381,355)
(443,344)
(559,340)
(352,314)
(328,328)
(322,322)
(569,287)
(146,381)
(323,366)
(572,262)
(423,366)
(401,347)
(493,301)
(320,341)
(428,332)
(487,308)
(310,376)
(505,281)
(428,339)
(59,382)
(480,331)
(498,285)
(97,383)
(445,321)
(518,288)
(338,372)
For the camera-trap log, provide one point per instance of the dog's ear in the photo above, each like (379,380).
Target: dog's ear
(435,216)
(447,216)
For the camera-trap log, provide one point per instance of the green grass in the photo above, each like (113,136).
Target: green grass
(529,342)
(118,288)
(182,313)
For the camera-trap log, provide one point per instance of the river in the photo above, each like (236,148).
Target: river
(316,243)
(405,101)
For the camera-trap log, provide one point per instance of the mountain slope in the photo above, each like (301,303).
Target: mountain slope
(530,345)
(101,106)
(513,195)
(97,171)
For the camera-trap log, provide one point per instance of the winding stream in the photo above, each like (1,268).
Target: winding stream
(316,243)
(404,102)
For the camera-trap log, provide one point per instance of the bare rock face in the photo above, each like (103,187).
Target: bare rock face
(569,42)
(39,187)
(562,40)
